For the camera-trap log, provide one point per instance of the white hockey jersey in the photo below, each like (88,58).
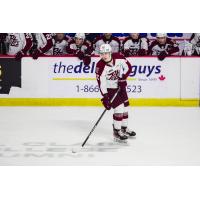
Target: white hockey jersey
(18,41)
(114,42)
(131,44)
(60,47)
(192,47)
(171,47)
(45,43)
(108,75)
(72,48)
(196,44)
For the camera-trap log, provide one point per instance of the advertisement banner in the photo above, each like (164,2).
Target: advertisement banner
(65,80)
(150,78)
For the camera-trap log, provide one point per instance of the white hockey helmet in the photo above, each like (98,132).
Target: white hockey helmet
(158,35)
(80,35)
(105,48)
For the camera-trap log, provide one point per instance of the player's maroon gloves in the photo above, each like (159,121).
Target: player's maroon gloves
(80,55)
(36,54)
(19,55)
(122,84)
(141,52)
(106,101)
(162,55)
(86,60)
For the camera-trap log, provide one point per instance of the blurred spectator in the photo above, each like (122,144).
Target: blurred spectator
(61,43)
(19,44)
(45,44)
(192,47)
(134,45)
(90,37)
(163,46)
(2,43)
(107,38)
(80,48)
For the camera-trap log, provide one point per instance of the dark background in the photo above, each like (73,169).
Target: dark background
(10,74)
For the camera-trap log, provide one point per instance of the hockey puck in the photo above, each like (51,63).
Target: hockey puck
(74,151)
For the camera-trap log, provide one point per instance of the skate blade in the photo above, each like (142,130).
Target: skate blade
(120,141)
(131,137)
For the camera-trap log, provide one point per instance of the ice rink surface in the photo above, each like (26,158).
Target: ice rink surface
(47,135)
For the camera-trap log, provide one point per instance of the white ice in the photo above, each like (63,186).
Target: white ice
(47,135)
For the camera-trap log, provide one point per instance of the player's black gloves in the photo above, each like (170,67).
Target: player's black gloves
(106,101)
(19,55)
(162,55)
(36,54)
(87,60)
(80,55)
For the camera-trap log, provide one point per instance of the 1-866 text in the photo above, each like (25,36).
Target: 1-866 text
(95,88)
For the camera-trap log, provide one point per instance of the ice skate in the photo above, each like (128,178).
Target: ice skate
(128,132)
(119,136)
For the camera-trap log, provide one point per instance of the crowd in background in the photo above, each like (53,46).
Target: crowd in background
(84,45)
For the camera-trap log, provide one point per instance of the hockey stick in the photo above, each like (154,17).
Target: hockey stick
(98,120)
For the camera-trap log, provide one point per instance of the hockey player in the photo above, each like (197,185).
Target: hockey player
(106,38)
(163,46)
(19,44)
(134,45)
(80,48)
(45,43)
(61,43)
(111,73)
(192,47)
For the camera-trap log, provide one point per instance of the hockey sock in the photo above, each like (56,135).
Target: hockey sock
(118,116)
(125,116)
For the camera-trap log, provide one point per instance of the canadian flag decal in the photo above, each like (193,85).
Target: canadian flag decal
(162,78)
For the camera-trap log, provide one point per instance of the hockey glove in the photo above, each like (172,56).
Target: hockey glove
(87,60)
(106,101)
(162,55)
(19,55)
(122,84)
(36,54)
(80,55)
